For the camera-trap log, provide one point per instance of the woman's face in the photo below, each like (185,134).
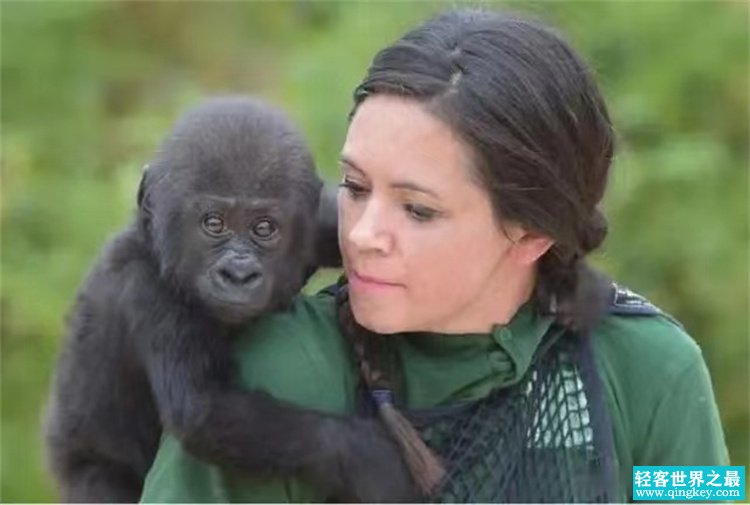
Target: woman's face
(421,247)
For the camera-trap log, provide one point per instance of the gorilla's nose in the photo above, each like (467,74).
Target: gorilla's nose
(240,270)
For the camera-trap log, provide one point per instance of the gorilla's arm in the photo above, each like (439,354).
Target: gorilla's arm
(253,432)
(223,234)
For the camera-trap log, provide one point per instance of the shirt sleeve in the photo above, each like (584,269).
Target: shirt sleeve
(177,477)
(685,428)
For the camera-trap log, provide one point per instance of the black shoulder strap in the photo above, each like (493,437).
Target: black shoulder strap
(627,302)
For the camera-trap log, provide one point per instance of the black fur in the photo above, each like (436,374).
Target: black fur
(149,339)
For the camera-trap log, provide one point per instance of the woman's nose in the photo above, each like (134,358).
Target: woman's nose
(370,231)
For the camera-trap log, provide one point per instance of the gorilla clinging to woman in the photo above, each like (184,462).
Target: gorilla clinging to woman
(227,228)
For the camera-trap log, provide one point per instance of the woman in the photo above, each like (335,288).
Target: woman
(477,152)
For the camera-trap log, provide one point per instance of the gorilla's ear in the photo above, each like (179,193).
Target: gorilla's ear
(327,252)
(143,186)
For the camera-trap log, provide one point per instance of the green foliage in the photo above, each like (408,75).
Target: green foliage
(89,88)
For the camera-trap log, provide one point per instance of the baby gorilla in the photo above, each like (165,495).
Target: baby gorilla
(225,231)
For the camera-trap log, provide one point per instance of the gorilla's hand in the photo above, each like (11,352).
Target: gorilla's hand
(370,467)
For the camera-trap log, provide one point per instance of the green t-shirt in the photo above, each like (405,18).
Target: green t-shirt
(656,385)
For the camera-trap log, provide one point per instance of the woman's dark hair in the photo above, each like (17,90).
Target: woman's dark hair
(542,143)
(531,113)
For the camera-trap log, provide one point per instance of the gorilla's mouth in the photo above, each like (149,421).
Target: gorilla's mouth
(234,303)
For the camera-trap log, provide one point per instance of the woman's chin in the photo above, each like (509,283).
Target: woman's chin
(378,321)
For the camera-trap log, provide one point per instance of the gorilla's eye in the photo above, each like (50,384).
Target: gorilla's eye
(214,224)
(264,229)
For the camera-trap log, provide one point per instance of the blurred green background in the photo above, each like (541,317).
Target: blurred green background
(89,89)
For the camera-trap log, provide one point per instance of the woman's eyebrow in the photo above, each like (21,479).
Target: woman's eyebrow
(407,185)
(411,186)
(350,162)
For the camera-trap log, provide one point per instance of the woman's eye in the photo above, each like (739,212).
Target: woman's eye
(355,190)
(420,212)
(214,224)
(264,229)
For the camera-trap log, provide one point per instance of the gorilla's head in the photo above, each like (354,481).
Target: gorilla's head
(229,206)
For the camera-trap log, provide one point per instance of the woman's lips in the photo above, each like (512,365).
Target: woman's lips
(364,282)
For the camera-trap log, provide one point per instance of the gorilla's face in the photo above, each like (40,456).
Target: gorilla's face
(237,256)
(229,204)
(240,242)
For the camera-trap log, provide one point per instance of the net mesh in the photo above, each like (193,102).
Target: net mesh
(541,440)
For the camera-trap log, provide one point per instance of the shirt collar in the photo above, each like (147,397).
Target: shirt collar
(439,368)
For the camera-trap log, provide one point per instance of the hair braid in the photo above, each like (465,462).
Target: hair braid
(376,370)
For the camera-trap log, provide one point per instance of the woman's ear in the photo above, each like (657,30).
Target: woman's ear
(529,246)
